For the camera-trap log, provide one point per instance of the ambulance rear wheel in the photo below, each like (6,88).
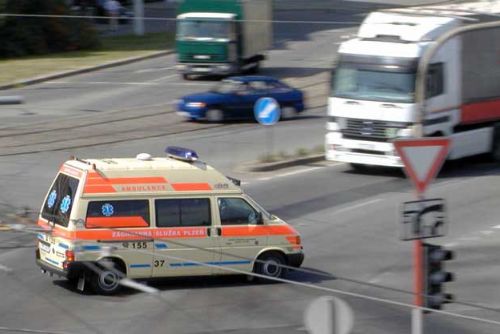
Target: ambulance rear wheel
(106,280)
(271,264)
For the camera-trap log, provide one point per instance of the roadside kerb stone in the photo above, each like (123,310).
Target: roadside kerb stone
(59,75)
(256,166)
(15,99)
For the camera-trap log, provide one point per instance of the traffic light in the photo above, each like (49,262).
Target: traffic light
(436,276)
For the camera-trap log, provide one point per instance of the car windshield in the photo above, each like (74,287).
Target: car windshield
(190,29)
(227,86)
(367,84)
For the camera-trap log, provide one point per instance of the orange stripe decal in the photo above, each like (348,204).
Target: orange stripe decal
(93,180)
(191,186)
(96,189)
(480,112)
(71,171)
(134,221)
(258,230)
(142,233)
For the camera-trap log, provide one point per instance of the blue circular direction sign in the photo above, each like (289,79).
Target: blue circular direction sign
(267,111)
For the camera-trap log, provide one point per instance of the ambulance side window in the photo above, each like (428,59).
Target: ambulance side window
(125,213)
(236,211)
(183,212)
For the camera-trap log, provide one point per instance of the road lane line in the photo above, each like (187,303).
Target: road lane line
(146,70)
(5,268)
(496,226)
(298,171)
(165,77)
(355,206)
(486,232)
(102,83)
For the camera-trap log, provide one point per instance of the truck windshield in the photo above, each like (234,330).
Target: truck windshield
(203,29)
(376,85)
(59,202)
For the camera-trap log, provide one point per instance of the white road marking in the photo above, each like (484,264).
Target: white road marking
(306,170)
(496,226)
(165,77)
(103,83)
(486,232)
(355,206)
(146,70)
(450,244)
(5,268)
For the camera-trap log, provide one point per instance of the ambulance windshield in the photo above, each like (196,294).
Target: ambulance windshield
(59,202)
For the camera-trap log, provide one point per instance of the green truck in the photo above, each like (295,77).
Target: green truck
(222,37)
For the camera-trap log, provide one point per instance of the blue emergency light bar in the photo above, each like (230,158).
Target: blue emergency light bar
(181,153)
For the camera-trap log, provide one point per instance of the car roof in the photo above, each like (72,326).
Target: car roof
(248,78)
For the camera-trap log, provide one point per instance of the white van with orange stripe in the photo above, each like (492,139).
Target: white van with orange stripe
(157,217)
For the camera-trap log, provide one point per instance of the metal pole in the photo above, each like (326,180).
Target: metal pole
(416,315)
(417,319)
(139,17)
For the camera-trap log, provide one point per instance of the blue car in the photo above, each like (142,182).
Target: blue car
(235,97)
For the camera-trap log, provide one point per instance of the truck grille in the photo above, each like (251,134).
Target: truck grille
(364,129)
(195,57)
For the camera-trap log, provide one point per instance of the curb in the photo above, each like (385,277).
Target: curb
(272,166)
(59,75)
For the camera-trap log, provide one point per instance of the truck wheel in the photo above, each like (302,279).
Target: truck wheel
(214,115)
(271,264)
(495,145)
(359,167)
(255,69)
(107,280)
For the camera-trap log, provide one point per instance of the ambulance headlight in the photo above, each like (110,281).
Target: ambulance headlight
(181,153)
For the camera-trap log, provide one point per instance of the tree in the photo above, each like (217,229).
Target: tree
(38,35)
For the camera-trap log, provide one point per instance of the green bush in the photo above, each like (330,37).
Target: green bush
(22,36)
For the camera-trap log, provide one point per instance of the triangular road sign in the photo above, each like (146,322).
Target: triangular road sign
(422,158)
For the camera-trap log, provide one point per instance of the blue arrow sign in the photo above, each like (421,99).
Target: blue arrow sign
(267,111)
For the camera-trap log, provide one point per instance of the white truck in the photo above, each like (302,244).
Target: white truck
(372,99)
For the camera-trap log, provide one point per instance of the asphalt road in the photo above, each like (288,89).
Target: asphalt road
(348,221)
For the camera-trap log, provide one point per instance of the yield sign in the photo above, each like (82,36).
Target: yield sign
(422,158)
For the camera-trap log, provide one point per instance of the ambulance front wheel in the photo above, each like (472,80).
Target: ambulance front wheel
(271,264)
(106,280)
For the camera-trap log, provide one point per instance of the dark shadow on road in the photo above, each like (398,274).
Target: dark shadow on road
(308,275)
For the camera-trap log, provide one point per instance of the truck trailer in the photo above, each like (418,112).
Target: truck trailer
(222,37)
(372,99)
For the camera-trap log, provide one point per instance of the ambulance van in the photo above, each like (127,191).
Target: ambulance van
(108,219)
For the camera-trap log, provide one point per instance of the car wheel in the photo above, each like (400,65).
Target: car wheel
(107,280)
(186,76)
(288,112)
(271,265)
(214,115)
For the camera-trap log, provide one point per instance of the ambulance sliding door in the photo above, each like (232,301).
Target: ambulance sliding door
(184,243)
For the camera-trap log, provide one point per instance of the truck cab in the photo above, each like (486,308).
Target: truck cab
(222,37)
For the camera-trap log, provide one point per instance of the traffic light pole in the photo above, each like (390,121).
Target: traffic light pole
(418,261)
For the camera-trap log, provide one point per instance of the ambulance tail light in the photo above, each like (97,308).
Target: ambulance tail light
(181,153)
(294,240)
(70,257)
